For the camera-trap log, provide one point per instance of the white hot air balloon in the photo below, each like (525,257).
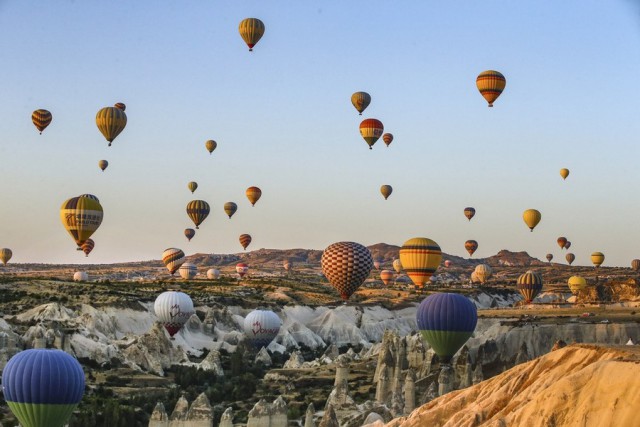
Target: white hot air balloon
(213,274)
(173,310)
(80,276)
(188,271)
(261,327)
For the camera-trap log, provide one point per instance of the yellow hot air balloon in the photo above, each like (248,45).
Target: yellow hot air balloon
(483,273)
(198,210)
(597,258)
(230,208)
(397,265)
(5,255)
(420,257)
(361,101)
(210,145)
(81,217)
(386,191)
(491,84)
(529,285)
(564,173)
(531,217)
(576,284)
(251,31)
(192,186)
(253,194)
(111,121)
(102,164)
(41,119)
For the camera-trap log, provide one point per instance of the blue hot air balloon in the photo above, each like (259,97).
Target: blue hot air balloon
(42,387)
(446,322)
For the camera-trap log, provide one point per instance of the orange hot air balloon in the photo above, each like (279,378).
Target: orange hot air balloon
(386,276)
(471,246)
(564,173)
(387,138)
(469,213)
(245,240)
(371,130)
(253,194)
(251,31)
(562,241)
(41,119)
(87,246)
(491,84)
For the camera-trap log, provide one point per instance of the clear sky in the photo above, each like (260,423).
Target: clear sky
(283,121)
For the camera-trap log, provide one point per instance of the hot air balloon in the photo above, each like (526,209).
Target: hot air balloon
(90,196)
(377,264)
(387,138)
(474,277)
(386,191)
(361,101)
(570,258)
(490,84)
(261,327)
(251,31)
(635,264)
(529,285)
(213,274)
(245,240)
(173,310)
(346,265)
(471,246)
(80,276)
(469,213)
(549,257)
(397,265)
(447,264)
(120,106)
(253,194)
(564,173)
(188,271)
(597,258)
(111,121)
(5,255)
(210,145)
(88,246)
(102,164)
(287,265)
(386,276)
(531,217)
(41,119)
(567,245)
(242,269)
(562,241)
(446,321)
(230,208)
(483,272)
(42,387)
(198,210)
(420,258)
(576,284)
(371,130)
(173,258)
(189,233)
(81,216)
(192,186)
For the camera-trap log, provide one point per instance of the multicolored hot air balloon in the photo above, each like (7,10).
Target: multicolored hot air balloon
(471,246)
(253,194)
(189,233)
(261,327)
(387,138)
(469,213)
(242,269)
(210,145)
(567,245)
(531,217)
(192,186)
(245,240)
(188,271)
(198,210)
(597,258)
(635,264)
(173,258)
(576,284)
(491,83)
(81,216)
(111,121)
(173,310)
(88,246)
(446,321)
(420,258)
(371,130)
(5,255)
(120,106)
(213,274)
(251,31)
(361,101)
(386,191)
(529,285)
(570,258)
(564,173)
(346,265)
(42,387)
(397,265)
(549,257)
(483,272)
(41,119)
(386,276)
(562,241)
(103,164)
(80,276)
(230,208)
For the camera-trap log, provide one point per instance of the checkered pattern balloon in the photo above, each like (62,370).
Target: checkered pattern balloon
(346,265)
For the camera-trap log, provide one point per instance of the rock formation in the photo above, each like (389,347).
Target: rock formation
(342,368)
(212,363)
(329,419)
(226,420)
(263,357)
(409,391)
(295,361)
(445,380)
(308,416)
(339,397)
(181,410)
(264,414)
(159,417)
(200,413)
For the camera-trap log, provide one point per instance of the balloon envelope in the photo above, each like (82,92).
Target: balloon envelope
(597,258)
(420,258)
(469,213)
(88,246)
(261,327)
(397,265)
(346,265)
(210,145)
(198,210)
(111,121)
(570,258)
(386,191)
(192,186)
(371,130)
(361,101)
(562,241)
(531,217)
(242,269)
(41,119)
(529,285)
(188,271)
(386,276)
(230,208)
(189,233)
(81,216)
(5,255)
(251,30)
(576,284)
(549,257)
(245,240)
(173,258)
(471,246)
(564,173)
(635,264)
(213,274)
(490,83)
(483,273)
(173,310)
(387,138)
(253,194)
(102,164)
(80,276)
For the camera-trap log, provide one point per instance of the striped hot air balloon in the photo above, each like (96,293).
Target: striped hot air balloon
(386,276)
(469,213)
(173,258)
(210,145)
(192,186)
(261,327)
(483,272)
(230,208)
(570,258)
(386,191)
(490,84)
(41,119)
(111,121)
(420,258)
(5,255)
(251,30)
(471,246)
(576,284)
(81,216)
(597,258)
(213,274)
(529,285)
(88,246)
(446,321)
(253,194)
(198,210)
(189,233)
(120,106)
(549,257)
(562,241)
(173,310)
(242,269)
(387,138)
(346,265)
(531,217)
(42,387)
(635,264)
(371,130)
(245,240)
(188,271)
(361,101)
(397,265)
(103,164)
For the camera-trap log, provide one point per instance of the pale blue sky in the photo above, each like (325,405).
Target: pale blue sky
(283,121)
